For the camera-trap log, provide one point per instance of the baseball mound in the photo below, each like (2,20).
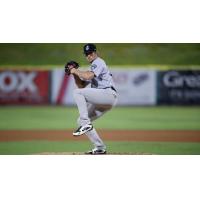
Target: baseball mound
(61,153)
(82,153)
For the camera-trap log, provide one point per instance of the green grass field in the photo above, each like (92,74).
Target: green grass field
(54,55)
(141,148)
(128,118)
(122,118)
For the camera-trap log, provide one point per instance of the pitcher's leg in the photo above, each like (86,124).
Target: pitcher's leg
(95,139)
(93,135)
(95,113)
(93,96)
(104,99)
(82,107)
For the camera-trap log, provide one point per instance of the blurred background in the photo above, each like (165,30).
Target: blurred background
(158,87)
(53,54)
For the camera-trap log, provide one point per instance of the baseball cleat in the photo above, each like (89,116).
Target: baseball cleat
(96,152)
(83,129)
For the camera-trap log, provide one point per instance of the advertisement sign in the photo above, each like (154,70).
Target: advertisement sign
(24,87)
(134,87)
(178,87)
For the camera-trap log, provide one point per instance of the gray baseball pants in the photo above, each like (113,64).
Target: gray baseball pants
(92,103)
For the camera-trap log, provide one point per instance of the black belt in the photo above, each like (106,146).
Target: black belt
(111,88)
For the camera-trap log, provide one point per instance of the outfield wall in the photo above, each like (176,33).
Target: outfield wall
(134,86)
(178,87)
(24,87)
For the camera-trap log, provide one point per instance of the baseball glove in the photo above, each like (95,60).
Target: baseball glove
(69,66)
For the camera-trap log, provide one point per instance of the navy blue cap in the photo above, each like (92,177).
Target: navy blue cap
(89,48)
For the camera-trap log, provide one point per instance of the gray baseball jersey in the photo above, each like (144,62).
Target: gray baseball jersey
(103,77)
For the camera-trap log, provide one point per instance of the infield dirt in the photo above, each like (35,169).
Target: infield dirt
(116,135)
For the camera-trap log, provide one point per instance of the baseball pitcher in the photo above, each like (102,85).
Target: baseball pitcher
(93,101)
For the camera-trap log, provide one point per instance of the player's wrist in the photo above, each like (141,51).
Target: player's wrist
(74,71)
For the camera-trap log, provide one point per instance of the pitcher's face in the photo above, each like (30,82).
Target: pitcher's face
(90,57)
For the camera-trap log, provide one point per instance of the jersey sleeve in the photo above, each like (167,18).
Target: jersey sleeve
(96,69)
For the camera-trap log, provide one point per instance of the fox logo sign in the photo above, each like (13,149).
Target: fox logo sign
(17,81)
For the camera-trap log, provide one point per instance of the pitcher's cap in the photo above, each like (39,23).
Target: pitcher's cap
(89,48)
